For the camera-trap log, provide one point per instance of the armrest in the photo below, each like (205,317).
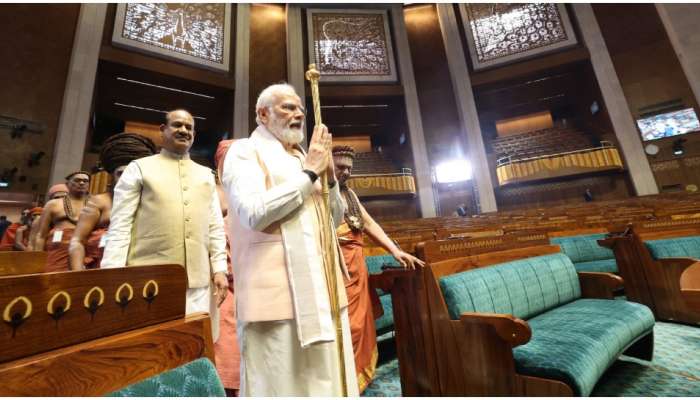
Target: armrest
(679,262)
(512,330)
(385,280)
(599,285)
(690,285)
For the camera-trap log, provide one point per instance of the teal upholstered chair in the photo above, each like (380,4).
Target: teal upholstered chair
(385,323)
(679,247)
(194,379)
(573,340)
(586,254)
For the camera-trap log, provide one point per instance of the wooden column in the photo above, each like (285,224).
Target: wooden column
(295,50)
(241,104)
(295,54)
(77,97)
(615,102)
(681,23)
(466,106)
(426,197)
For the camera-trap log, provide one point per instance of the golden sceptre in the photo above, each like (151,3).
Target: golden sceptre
(328,245)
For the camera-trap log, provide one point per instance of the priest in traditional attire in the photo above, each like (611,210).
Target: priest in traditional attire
(357,221)
(166,211)
(58,220)
(286,330)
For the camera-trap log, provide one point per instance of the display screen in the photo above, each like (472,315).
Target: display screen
(668,124)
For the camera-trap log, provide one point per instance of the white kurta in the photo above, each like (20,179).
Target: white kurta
(265,184)
(127,197)
(273,363)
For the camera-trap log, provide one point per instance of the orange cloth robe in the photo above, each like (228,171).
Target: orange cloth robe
(226,351)
(364,335)
(8,239)
(57,252)
(93,251)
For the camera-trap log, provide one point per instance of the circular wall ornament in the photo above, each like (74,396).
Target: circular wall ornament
(651,149)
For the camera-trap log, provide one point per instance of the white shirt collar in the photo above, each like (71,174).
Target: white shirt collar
(170,154)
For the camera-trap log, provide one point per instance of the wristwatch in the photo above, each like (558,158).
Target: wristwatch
(312,175)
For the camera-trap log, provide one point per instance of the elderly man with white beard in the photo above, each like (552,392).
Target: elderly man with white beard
(286,331)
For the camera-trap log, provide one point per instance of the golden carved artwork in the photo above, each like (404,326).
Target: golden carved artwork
(50,306)
(6,314)
(148,284)
(86,300)
(118,297)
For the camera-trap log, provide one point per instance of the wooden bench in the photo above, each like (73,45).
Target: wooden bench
(90,333)
(655,281)
(474,353)
(22,262)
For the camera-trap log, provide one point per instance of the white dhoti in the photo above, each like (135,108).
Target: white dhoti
(203,300)
(273,363)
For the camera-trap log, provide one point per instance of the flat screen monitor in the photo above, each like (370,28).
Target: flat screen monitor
(668,124)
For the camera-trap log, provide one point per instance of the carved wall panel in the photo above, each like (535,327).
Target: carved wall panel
(194,33)
(351,45)
(499,33)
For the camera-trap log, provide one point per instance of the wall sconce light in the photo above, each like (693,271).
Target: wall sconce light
(678,149)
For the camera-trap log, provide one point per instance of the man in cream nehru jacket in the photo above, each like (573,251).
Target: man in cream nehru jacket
(285,328)
(166,211)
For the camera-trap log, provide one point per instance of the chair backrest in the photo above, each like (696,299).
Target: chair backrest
(675,247)
(439,250)
(22,262)
(523,288)
(375,263)
(583,248)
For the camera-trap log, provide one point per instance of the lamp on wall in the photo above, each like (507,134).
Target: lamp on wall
(678,149)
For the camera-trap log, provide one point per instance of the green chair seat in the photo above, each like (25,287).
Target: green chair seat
(573,340)
(195,379)
(578,350)
(385,323)
(597,266)
(676,247)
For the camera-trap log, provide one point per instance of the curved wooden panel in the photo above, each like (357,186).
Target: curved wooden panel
(690,286)
(101,366)
(47,311)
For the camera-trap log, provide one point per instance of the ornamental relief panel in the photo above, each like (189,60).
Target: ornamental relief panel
(195,33)
(351,45)
(500,33)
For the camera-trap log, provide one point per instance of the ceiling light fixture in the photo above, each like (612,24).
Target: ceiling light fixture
(119,78)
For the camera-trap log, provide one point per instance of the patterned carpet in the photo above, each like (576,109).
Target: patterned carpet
(675,370)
